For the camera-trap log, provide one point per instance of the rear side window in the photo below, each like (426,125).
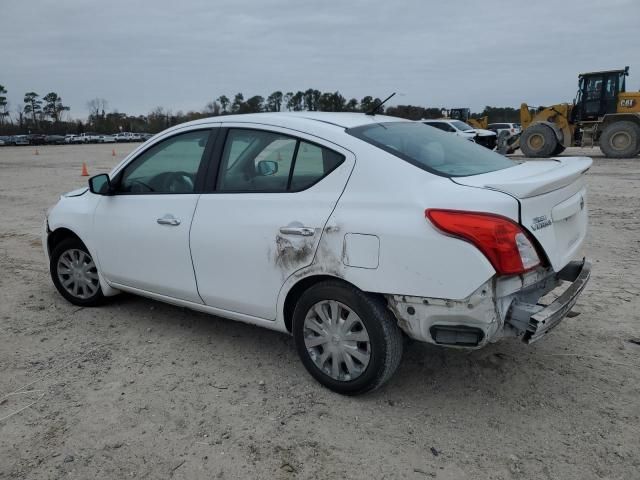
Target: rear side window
(432,150)
(262,161)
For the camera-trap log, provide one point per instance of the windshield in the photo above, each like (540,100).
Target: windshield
(431,149)
(461,125)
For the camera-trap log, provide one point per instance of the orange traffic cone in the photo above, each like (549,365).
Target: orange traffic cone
(37,152)
(113,152)
(85,172)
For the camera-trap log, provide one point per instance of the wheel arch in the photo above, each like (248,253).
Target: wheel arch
(59,235)
(620,117)
(302,285)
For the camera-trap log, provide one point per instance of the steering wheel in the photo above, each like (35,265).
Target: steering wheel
(138,186)
(177,182)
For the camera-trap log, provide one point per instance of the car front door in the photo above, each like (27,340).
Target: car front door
(142,230)
(274,193)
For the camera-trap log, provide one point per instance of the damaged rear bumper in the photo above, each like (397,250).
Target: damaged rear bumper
(502,307)
(537,320)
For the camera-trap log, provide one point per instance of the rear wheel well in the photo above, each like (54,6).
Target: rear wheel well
(59,235)
(299,288)
(620,117)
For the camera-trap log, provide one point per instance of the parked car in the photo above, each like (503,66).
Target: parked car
(106,139)
(37,139)
(146,136)
(457,127)
(20,140)
(2,142)
(511,128)
(122,137)
(54,139)
(135,137)
(296,222)
(483,137)
(86,137)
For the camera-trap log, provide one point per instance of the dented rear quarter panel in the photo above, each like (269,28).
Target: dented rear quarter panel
(387,197)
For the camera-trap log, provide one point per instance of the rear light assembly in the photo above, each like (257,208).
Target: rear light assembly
(505,243)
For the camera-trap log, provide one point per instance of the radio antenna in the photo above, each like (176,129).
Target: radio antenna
(377,106)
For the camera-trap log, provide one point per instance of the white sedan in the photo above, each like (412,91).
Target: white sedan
(486,138)
(348,231)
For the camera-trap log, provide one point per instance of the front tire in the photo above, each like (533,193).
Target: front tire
(74,273)
(347,340)
(538,141)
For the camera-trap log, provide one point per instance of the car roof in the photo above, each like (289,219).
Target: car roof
(446,120)
(339,120)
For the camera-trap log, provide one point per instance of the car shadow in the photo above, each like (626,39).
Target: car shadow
(427,374)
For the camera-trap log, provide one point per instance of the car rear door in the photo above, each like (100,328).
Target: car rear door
(142,231)
(257,227)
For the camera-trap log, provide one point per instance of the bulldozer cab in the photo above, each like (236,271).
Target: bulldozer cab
(461,114)
(598,94)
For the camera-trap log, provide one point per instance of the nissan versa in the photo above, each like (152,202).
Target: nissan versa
(345,230)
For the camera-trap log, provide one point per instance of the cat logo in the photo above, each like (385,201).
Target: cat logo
(627,102)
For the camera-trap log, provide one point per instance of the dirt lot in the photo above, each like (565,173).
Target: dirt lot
(141,389)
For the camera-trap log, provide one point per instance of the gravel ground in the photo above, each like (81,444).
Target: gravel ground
(141,389)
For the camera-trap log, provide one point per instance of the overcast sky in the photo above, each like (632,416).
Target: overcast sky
(181,54)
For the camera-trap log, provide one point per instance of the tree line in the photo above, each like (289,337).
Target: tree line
(48,114)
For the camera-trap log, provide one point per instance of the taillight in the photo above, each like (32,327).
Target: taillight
(501,240)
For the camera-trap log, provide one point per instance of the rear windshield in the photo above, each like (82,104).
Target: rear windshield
(431,149)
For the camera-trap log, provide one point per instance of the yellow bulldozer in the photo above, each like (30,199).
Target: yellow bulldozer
(603,114)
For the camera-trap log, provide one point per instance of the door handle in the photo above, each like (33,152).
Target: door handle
(303,231)
(168,220)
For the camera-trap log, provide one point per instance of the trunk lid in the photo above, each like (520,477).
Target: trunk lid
(552,197)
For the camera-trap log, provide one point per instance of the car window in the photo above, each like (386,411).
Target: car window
(312,163)
(255,160)
(431,150)
(261,161)
(170,166)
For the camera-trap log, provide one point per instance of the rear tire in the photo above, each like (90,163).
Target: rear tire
(346,339)
(74,273)
(620,140)
(538,141)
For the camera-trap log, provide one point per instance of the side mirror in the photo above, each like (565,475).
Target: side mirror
(100,184)
(267,167)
